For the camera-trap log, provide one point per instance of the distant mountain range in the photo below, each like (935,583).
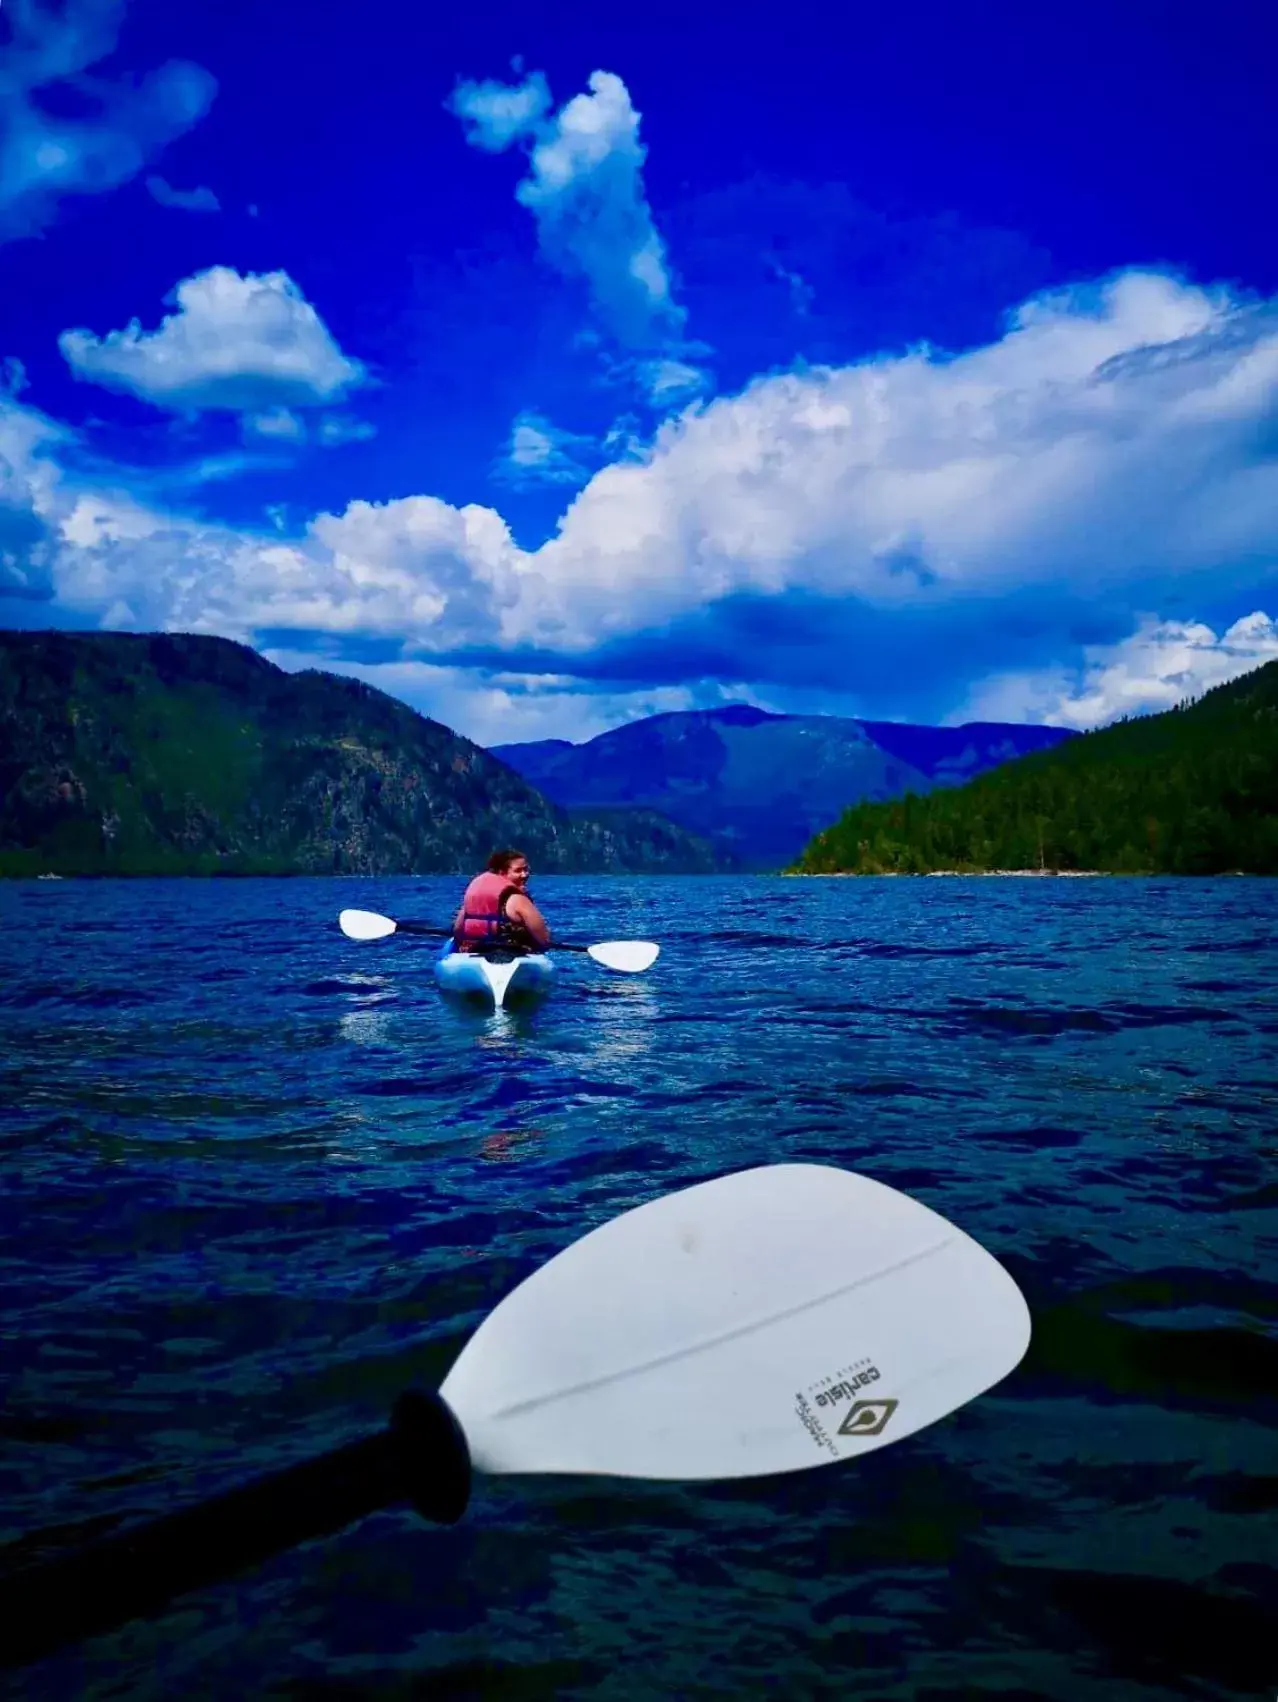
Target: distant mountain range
(130,753)
(756,785)
(168,754)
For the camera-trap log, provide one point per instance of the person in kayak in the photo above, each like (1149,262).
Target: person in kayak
(497,913)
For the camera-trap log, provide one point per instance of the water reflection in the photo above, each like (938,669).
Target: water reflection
(364,1024)
(505,1144)
(365,1027)
(622,1021)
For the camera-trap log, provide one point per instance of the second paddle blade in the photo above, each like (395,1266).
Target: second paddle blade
(767,1321)
(365,925)
(631,956)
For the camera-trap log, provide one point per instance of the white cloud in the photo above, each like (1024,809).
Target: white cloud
(284,426)
(542,453)
(149,488)
(28,489)
(801,292)
(624,440)
(198,200)
(585,190)
(241,344)
(277,423)
(26,545)
(1161,664)
(216,469)
(669,382)
(496,707)
(1115,442)
(44,157)
(497,114)
(336,429)
(1112,436)
(411,570)
(408,569)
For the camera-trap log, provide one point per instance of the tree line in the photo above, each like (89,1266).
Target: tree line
(1191,791)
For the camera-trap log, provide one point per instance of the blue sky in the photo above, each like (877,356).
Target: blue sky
(915,362)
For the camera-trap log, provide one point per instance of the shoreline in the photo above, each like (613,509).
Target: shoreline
(1034,874)
(231,876)
(956,874)
(1018,874)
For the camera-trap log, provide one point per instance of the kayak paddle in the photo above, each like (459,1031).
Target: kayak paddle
(768,1321)
(629,956)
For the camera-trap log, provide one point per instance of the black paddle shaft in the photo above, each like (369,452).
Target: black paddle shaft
(421,1458)
(447,934)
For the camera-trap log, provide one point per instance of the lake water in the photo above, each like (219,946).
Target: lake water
(254,1179)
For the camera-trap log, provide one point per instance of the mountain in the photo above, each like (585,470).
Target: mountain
(171,754)
(1190,791)
(758,785)
(950,756)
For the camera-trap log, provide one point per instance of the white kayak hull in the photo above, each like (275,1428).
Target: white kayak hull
(472,976)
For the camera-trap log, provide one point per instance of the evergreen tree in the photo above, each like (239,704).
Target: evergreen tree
(1191,791)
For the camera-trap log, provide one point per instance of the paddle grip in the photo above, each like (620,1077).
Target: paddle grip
(421,1458)
(431,1456)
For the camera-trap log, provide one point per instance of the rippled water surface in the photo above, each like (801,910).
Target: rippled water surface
(254,1179)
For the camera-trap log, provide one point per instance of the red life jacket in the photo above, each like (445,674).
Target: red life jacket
(484,913)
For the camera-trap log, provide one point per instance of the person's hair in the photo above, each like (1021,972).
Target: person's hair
(500,861)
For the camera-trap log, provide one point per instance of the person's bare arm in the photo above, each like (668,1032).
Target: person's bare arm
(521,909)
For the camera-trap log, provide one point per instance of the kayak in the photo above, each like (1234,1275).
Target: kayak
(469,974)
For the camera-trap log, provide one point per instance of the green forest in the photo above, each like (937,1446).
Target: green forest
(172,754)
(1192,791)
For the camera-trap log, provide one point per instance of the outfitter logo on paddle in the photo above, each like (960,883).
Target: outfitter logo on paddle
(820,1405)
(867,1418)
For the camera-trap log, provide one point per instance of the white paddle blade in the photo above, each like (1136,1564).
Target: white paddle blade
(365,925)
(768,1321)
(630,956)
